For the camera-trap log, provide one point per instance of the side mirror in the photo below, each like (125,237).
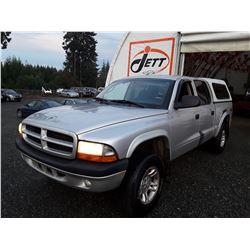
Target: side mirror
(188,101)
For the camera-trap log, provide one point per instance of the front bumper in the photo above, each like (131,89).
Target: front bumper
(95,177)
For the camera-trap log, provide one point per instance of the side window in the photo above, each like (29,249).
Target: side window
(220,91)
(203,92)
(39,105)
(186,89)
(68,102)
(32,104)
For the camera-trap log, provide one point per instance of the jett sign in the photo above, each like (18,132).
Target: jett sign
(151,57)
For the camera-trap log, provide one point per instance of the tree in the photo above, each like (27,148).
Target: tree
(102,74)
(5,39)
(81,56)
(15,74)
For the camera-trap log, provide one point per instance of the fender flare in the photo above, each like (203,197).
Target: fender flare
(224,115)
(145,137)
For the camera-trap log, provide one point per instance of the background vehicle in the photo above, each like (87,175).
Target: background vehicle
(69,93)
(100,89)
(58,91)
(129,135)
(46,92)
(242,107)
(10,95)
(93,91)
(35,106)
(2,94)
(87,92)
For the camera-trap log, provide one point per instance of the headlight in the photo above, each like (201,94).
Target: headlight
(97,152)
(20,128)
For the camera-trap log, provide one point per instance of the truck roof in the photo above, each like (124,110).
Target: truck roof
(173,77)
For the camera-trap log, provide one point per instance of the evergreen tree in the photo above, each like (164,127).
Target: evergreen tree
(102,74)
(17,75)
(5,39)
(81,56)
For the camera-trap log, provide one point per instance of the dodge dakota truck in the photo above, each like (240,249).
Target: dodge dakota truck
(128,136)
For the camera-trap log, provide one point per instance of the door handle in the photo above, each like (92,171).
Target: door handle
(212,112)
(197,116)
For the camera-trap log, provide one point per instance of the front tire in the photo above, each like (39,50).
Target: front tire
(143,186)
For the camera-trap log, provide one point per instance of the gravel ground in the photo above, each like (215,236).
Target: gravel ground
(202,184)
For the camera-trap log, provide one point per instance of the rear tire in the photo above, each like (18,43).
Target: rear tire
(218,144)
(143,186)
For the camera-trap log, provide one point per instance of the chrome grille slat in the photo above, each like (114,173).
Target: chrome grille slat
(32,134)
(59,142)
(59,147)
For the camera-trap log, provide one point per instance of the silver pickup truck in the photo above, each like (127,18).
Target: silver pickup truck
(128,136)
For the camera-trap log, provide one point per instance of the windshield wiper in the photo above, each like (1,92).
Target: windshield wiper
(128,102)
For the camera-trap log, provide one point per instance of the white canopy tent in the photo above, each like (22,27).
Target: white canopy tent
(192,42)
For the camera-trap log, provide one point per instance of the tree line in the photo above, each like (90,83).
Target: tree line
(80,66)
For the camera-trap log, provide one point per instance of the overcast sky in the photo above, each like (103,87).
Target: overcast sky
(45,48)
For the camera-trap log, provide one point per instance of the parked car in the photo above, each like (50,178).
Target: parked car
(46,92)
(76,101)
(100,89)
(2,90)
(69,93)
(10,95)
(80,90)
(59,91)
(93,91)
(36,106)
(129,136)
(87,92)
(242,107)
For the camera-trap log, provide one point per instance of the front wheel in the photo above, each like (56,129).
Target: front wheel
(143,186)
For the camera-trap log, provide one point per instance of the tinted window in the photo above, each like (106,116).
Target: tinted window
(11,91)
(186,89)
(203,92)
(52,104)
(220,91)
(32,104)
(68,102)
(81,101)
(39,105)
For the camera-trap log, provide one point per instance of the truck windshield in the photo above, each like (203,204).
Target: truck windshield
(145,92)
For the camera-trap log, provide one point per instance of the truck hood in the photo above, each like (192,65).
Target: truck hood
(81,119)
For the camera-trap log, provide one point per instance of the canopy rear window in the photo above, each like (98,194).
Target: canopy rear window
(220,91)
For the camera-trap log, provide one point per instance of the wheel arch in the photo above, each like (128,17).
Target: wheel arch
(225,119)
(153,142)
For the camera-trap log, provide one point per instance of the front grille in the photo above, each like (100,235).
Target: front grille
(59,147)
(34,139)
(59,136)
(33,129)
(57,143)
